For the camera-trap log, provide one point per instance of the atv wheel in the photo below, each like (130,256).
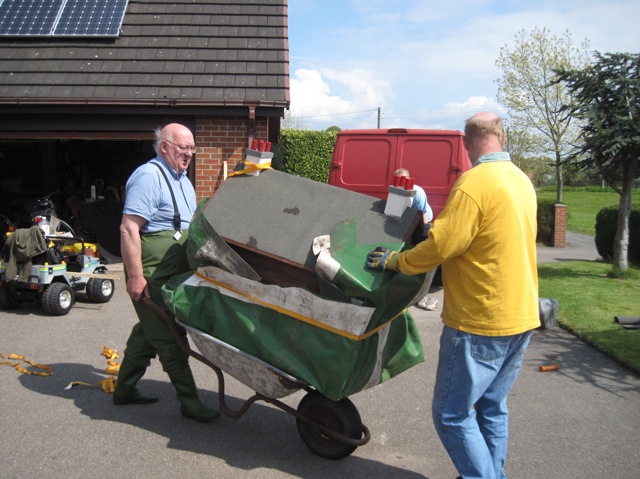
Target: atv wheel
(58,299)
(7,300)
(100,290)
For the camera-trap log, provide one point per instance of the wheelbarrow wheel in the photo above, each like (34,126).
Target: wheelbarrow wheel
(341,416)
(58,299)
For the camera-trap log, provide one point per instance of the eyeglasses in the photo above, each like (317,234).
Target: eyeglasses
(185,148)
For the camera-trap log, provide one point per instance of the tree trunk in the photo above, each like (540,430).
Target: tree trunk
(621,240)
(559,178)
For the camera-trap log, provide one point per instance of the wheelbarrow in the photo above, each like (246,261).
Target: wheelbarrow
(330,429)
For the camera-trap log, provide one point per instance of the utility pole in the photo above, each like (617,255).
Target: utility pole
(378,117)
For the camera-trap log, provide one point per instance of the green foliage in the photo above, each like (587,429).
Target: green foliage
(607,100)
(546,217)
(589,301)
(606,226)
(534,101)
(305,153)
(606,96)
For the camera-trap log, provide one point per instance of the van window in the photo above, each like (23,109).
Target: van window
(423,158)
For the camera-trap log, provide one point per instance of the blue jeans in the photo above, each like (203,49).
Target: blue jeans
(474,376)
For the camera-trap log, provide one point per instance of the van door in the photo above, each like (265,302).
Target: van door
(362,163)
(433,161)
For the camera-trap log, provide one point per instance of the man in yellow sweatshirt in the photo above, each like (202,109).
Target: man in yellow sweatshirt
(485,239)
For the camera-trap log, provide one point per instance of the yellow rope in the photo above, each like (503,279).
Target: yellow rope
(47,369)
(108,385)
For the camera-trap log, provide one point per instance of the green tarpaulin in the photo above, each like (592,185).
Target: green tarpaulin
(357,335)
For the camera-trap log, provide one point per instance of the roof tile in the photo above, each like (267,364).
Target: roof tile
(211,50)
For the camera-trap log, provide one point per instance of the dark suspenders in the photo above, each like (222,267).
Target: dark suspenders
(177,224)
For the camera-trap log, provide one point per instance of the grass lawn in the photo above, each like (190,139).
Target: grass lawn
(589,299)
(584,203)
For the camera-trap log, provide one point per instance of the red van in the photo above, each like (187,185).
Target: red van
(364,161)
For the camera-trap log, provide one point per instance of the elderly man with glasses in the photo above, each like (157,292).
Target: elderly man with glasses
(160,202)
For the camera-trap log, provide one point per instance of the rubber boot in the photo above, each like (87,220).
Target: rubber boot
(126,391)
(191,406)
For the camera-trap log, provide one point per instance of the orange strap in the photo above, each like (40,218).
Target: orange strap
(47,369)
(108,385)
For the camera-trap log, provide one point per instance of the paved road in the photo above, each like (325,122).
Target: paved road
(581,421)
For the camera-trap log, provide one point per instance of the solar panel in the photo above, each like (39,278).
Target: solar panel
(93,18)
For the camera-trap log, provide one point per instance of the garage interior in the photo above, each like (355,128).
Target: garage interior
(67,169)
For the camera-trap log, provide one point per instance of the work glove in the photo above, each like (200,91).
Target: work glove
(381,259)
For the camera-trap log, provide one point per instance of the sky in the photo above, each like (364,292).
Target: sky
(426,63)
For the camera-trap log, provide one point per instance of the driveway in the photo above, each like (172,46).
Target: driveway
(580,421)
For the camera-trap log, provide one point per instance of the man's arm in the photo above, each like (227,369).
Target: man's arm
(131,250)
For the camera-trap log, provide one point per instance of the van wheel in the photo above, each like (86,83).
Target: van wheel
(100,290)
(58,299)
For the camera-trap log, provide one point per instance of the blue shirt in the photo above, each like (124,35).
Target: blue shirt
(491,157)
(420,202)
(148,196)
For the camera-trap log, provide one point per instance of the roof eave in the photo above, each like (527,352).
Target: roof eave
(172,102)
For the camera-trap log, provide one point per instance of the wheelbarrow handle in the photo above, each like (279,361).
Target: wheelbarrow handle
(181,338)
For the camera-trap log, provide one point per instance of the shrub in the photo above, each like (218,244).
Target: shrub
(305,153)
(606,225)
(546,219)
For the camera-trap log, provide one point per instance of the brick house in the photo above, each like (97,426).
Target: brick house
(76,110)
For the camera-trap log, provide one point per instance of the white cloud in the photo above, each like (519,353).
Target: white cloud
(430,64)
(331,96)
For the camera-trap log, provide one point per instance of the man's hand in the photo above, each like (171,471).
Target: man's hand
(381,259)
(138,288)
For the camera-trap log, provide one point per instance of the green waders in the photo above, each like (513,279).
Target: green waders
(162,257)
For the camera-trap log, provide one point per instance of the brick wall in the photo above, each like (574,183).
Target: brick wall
(221,139)
(560,226)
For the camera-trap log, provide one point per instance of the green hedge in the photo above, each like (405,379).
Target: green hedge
(606,224)
(546,220)
(305,153)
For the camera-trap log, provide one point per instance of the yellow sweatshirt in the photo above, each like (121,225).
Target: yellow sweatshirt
(485,239)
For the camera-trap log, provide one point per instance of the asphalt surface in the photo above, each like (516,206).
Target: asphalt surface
(582,420)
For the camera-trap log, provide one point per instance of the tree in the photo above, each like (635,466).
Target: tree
(607,99)
(291,121)
(534,101)
(520,146)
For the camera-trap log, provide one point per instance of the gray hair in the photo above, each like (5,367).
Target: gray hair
(160,137)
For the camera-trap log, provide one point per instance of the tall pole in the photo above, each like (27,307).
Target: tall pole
(378,117)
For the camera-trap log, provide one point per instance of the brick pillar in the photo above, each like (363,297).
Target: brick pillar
(560,226)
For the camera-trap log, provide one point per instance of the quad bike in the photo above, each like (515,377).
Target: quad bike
(54,276)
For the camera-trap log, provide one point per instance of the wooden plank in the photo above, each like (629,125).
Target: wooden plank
(94,275)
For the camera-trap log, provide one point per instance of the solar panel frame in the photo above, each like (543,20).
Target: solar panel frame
(61,18)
